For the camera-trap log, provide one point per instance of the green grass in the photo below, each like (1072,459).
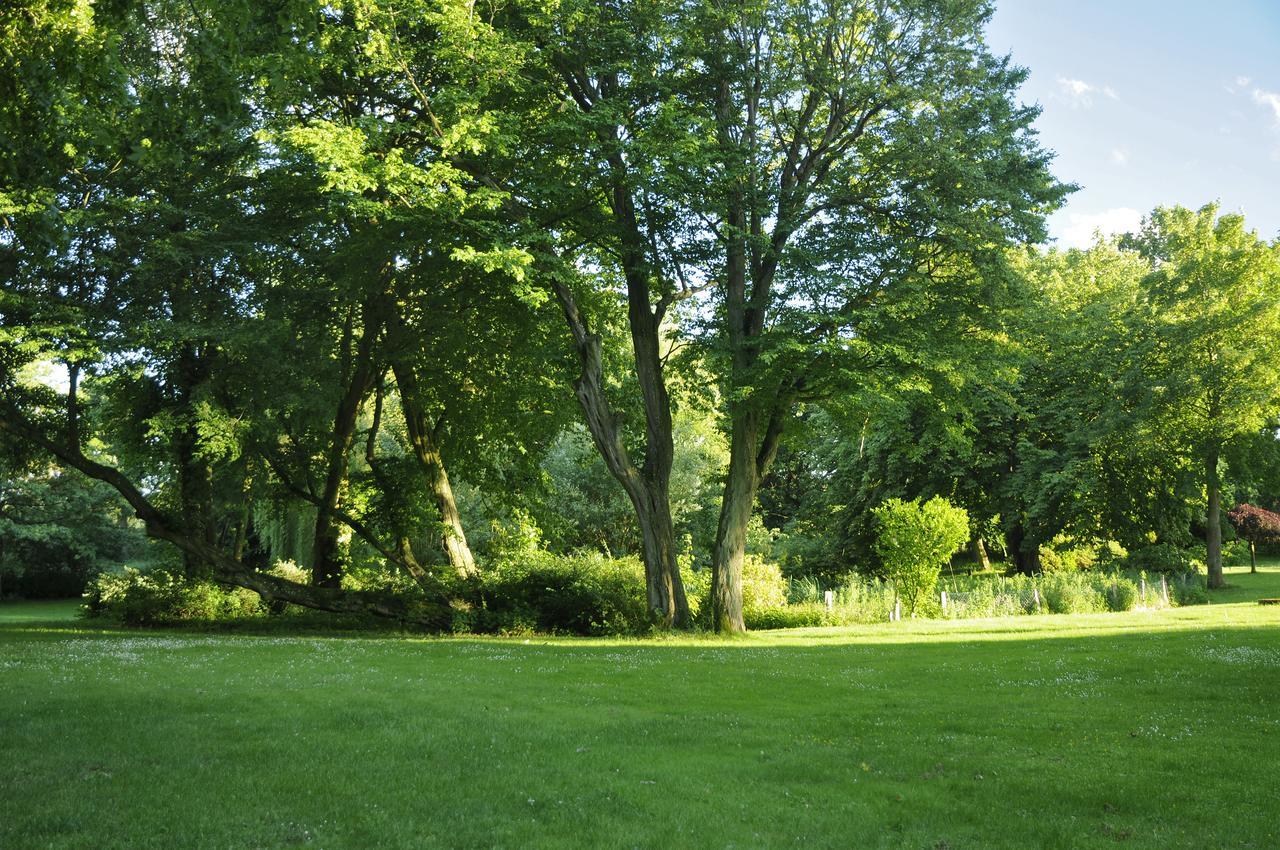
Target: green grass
(1146,729)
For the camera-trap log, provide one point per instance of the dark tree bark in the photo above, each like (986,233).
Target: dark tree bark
(1024,549)
(359,373)
(1213,520)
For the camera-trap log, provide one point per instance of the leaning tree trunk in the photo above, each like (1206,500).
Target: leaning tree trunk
(980,554)
(425,440)
(1213,521)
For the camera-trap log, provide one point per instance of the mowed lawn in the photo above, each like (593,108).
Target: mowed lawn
(1139,730)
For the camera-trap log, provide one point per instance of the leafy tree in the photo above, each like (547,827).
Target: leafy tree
(1212,353)
(916,540)
(1255,525)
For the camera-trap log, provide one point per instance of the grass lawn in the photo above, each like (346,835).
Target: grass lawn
(1143,730)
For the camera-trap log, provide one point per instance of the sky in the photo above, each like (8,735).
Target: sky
(1152,103)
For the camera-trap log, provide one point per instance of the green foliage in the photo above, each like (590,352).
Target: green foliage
(59,529)
(1161,558)
(165,597)
(916,540)
(1063,593)
(583,594)
(1065,558)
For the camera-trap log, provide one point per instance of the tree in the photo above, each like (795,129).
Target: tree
(1255,525)
(916,540)
(865,154)
(1211,356)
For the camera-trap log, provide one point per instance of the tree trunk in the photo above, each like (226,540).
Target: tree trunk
(1213,521)
(326,554)
(1253,557)
(648,489)
(980,554)
(731,533)
(424,438)
(1024,549)
(195,476)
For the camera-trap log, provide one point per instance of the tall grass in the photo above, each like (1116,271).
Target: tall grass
(869,600)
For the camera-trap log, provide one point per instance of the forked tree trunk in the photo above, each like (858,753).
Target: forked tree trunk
(1213,520)
(424,438)
(359,373)
(648,488)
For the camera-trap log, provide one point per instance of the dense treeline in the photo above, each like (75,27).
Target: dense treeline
(407,289)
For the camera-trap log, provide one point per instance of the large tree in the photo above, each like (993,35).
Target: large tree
(1211,357)
(865,153)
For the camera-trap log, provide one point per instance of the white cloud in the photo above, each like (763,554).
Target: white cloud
(1268,99)
(1080,94)
(1120,156)
(1242,81)
(1081,226)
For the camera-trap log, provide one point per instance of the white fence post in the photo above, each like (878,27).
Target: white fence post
(830,598)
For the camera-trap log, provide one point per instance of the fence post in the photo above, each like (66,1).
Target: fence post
(1035,594)
(1164,589)
(830,598)
(1143,579)
(944,602)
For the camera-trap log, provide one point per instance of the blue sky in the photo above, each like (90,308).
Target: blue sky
(1149,103)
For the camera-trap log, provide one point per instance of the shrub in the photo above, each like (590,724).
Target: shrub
(1067,594)
(1188,589)
(1121,593)
(584,594)
(763,587)
(164,596)
(1160,558)
(916,540)
(1062,558)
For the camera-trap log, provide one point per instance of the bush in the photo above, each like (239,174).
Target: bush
(763,587)
(1067,594)
(1160,558)
(584,594)
(162,596)
(916,540)
(1062,558)
(1188,589)
(1121,594)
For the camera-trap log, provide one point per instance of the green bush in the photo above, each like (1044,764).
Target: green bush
(1067,594)
(1235,553)
(915,541)
(1160,558)
(1188,589)
(1060,557)
(763,587)
(1121,593)
(584,594)
(162,596)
